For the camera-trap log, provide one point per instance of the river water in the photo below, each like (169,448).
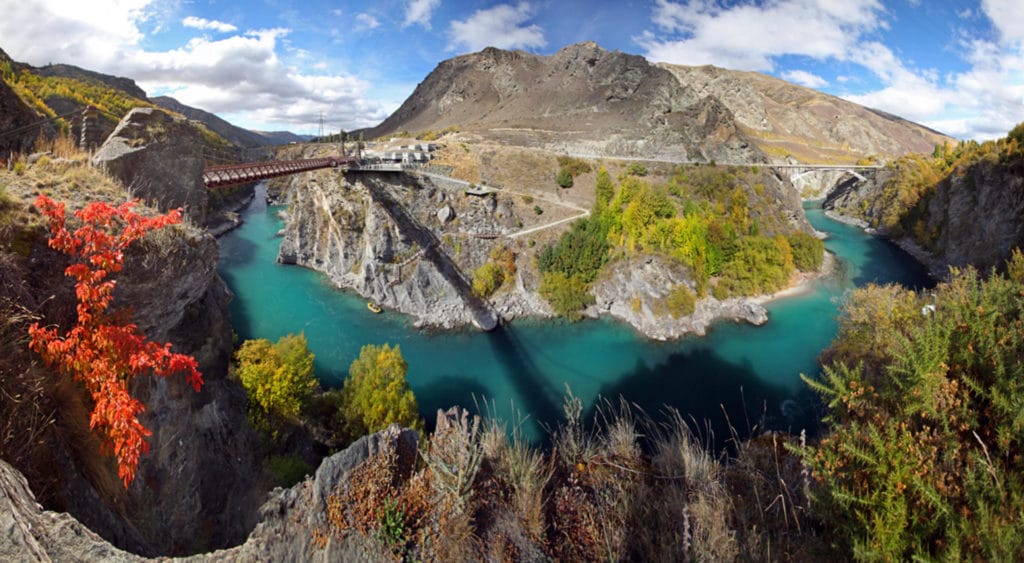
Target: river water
(524,368)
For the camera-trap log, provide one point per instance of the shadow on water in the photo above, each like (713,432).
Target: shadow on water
(446,391)
(533,387)
(885,262)
(686,380)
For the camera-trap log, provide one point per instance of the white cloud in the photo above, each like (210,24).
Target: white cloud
(805,78)
(205,24)
(1006,17)
(748,36)
(419,12)
(366,21)
(241,75)
(504,26)
(87,33)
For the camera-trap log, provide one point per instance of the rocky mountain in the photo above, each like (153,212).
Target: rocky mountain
(585,99)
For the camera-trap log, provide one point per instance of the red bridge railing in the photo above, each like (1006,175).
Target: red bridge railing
(235,174)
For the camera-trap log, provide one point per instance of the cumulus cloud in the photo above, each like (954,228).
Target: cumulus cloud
(418,12)
(748,36)
(1006,17)
(241,75)
(804,78)
(205,24)
(504,26)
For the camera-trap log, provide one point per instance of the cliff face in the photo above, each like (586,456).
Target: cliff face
(13,115)
(369,233)
(972,216)
(196,489)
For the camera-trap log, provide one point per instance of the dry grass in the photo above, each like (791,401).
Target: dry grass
(623,488)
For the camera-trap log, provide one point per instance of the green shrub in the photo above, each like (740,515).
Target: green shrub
(288,469)
(568,295)
(564,178)
(537,210)
(579,253)
(808,251)
(637,169)
(922,460)
(681,301)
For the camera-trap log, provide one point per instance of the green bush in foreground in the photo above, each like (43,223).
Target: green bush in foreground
(923,456)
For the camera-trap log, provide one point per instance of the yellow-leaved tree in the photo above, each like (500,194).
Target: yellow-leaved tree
(376,392)
(278,378)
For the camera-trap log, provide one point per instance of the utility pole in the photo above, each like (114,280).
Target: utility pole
(321,135)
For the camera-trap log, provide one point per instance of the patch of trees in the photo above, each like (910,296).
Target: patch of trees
(718,222)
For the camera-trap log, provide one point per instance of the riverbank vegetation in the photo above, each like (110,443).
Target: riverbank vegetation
(717,221)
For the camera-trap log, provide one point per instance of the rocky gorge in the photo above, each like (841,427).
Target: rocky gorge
(411,242)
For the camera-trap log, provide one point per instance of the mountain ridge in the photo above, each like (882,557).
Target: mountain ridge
(584,99)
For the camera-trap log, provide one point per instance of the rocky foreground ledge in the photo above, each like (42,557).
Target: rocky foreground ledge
(287,529)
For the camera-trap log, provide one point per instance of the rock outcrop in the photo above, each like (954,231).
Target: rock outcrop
(158,157)
(290,521)
(634,291)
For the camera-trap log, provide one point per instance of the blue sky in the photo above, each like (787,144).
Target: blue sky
(276,64)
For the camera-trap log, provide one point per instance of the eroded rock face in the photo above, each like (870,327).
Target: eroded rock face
(158,157)
(367,234)
(285,531)
(974,216)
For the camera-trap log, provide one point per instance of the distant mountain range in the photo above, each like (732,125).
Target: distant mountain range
(116,93)
(582,100)
(237,135)
(585,99)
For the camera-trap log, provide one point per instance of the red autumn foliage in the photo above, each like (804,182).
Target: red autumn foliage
(103,350)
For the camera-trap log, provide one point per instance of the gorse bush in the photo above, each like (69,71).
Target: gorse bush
(922,459)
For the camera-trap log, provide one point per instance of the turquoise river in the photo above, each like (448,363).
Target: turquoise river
(523,368)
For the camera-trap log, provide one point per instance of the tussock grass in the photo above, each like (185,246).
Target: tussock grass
(623,486)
